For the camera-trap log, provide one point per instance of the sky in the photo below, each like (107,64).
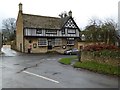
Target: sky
(82,10)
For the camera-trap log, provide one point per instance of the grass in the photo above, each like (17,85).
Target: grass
(92,66)
(98,67)
(67,61)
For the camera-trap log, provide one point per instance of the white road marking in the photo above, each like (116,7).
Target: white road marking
(51,59)
(59,58)
(41,77)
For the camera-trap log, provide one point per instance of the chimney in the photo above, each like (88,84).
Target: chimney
(70,13)
(20,7)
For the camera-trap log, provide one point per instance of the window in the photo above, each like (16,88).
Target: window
(51,31)
(38,31)
(58,41)
(71,31)
(42,42)
(70,41)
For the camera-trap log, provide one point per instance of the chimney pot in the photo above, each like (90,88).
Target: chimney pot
(70,13)
(20,7)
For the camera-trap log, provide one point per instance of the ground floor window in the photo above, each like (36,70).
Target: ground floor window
(70,41)
(49,42)
(58,41)
(42,42)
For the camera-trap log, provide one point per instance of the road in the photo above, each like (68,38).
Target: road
(44,71)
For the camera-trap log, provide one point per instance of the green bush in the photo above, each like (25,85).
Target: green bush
(104,53)
(98,67)
(108,53)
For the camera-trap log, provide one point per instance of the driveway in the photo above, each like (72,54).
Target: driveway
(6,49)
(44,71)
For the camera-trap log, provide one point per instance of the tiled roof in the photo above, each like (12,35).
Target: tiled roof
(36,21)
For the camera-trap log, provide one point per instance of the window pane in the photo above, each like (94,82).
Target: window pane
(70,42)
(71,31)
(42,42)
(51,31)
(58,41)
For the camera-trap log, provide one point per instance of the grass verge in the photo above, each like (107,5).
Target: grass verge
(98,67)
(67,61)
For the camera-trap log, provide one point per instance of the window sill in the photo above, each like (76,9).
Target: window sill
(42,45)
(70,44)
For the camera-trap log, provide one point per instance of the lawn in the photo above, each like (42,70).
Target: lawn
(67,61)
(98,67)
(92,66)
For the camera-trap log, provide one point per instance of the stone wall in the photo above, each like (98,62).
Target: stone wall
(19,33)
(44,49)
(108,60)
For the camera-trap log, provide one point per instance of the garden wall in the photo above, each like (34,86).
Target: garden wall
(88,55)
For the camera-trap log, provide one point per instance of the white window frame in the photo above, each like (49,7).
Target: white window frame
(42,42)
(58,41)
(70,41)
(71,31)
(51,32)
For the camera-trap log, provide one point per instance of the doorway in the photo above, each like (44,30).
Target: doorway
(49,44)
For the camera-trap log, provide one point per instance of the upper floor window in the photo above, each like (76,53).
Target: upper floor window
(71,31)
(38,31)
(51,31)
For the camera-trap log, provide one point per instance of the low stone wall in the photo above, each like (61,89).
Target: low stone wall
(108,60)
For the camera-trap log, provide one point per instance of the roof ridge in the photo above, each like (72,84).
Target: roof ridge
(41,16)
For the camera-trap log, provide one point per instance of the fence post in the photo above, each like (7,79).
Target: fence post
(79,54)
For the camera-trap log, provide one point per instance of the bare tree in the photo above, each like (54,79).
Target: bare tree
(8,28)
(98,30)
(63,14)
(109,27)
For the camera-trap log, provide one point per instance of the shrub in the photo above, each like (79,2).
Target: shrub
(98,47)
(107,53)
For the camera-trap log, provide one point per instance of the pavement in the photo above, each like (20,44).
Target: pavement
(20,70)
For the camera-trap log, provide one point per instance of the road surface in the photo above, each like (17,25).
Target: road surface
(44,71)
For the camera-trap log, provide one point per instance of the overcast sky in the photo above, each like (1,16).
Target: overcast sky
(83,10)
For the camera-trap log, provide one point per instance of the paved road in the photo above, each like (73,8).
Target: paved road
(44,71)
(6,49)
